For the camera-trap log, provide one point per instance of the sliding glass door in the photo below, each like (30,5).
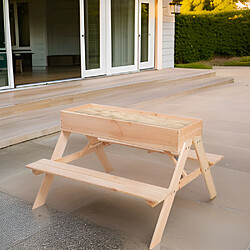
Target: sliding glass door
(117,36)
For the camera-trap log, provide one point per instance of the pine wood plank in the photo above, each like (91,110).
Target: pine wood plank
(173,187)
(211,158)
(152,194)
(204,166)
(61,145)
(48,178)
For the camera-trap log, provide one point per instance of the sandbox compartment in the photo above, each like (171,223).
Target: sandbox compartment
(135,128)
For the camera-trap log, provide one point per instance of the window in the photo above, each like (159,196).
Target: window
(19,24)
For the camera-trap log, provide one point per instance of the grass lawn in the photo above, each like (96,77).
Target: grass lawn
(217,61)
(196,65)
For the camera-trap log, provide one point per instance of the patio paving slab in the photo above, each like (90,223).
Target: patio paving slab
(194,225)
(194,222)
(14,158)
(18,221)
(74,232)
(46,228)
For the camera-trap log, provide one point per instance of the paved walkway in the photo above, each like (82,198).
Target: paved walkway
(80,216)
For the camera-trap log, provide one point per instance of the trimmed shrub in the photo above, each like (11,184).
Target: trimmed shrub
(201,36)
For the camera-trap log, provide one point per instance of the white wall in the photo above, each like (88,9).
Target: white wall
(38,33)
(63,27)
(167,36)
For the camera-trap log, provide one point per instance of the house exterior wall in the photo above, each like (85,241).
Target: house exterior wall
(168,27)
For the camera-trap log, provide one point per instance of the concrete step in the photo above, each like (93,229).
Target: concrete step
(47,96)
(21,127)
(188,88)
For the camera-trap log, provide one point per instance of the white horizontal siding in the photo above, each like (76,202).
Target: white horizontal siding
(166,44)
(168,27)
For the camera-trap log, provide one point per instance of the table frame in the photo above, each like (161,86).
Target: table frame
(179,179)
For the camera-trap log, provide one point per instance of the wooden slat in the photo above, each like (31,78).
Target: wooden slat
(152,194)
(85,151)
(212,158)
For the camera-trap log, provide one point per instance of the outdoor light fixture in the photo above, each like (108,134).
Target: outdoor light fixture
(175,7)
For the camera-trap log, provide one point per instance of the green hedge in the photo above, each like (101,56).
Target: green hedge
(201,36)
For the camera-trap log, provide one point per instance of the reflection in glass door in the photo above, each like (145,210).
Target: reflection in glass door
(146,33)
(45,40)
(92,34)
(122,32)
(93,41)
(123,35)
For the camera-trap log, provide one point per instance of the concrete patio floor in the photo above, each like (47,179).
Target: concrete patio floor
(81,216)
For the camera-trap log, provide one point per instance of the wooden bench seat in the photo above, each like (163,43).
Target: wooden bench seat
(152,194)
(211,158)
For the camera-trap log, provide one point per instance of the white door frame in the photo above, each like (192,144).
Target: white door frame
(102,69)
(151,36)
(158,33)
(8,45)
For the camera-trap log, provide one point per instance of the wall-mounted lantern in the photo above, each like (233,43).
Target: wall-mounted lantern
(175,7)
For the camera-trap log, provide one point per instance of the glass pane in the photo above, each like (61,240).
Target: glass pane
(3,57)
(144,31)
(53,51)
(92,33)
(123,32)
(23,24)
(12,25)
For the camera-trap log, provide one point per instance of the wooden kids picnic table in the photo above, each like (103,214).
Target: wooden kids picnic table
(106,125)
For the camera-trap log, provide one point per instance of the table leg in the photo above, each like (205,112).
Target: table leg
(103,159)
(48,178)
(204,166)
(173,159)
(168,202)
(101,155)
